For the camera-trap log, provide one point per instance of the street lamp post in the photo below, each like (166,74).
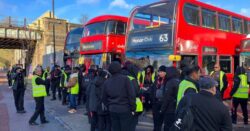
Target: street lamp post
(54,37)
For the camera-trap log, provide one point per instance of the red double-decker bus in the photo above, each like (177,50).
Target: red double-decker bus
(200,33)
(103,40)
(72,47)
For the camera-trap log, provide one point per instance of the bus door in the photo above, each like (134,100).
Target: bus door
(187,60)
(226,64)
(245,59)
(209,59)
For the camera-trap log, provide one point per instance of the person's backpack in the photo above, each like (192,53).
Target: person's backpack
(184,118)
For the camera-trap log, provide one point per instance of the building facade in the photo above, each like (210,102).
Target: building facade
(43,54)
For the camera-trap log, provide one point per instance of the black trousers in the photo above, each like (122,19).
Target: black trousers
(157,116)
(19,99)
(55,87)
(169,119)
(9,82)
(59,90)
(79,97)
(94,122)
(243,104)
(64,95)
(47,87)
(134,122)
(121,121)
(104,123)
(39,110)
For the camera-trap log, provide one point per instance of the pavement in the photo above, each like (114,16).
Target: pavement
(57,114)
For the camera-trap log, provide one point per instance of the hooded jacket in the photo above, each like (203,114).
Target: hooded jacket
(101,108)
(172,85)
(118,94)
(132,70)
(210,114)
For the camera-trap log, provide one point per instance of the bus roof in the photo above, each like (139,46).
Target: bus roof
(107,17)
(202,4)
(215,8)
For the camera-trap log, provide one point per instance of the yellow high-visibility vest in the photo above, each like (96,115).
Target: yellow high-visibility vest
(184,85)
(242,91)
(37,90)
(221,78)
(139,105)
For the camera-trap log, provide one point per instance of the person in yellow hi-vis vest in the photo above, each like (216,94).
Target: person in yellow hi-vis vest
(219,76)
(240,94)
(38,92)
(63,83)
(73,84)
(190,82)
(146,78)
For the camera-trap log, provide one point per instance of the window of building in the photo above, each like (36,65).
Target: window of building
(225,63)
(237,25)
(208,18)
(224,22)
(121,28)
(191,14)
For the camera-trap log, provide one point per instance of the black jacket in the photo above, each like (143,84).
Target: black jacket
(152,91)
(132,71)
(225,84)
(101,108)
(172,85)
(18,81)
(210,114)
(88,84)
(118,94)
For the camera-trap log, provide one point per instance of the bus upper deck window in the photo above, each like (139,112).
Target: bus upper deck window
(208,19)
(237,25)
(191,14)
(224,22)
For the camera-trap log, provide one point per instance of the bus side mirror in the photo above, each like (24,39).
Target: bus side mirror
(174,58)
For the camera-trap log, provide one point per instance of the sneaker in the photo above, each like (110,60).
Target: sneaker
(71,111)
(33,123)
(45,122)
(53,99)
(21,112)
(74,110)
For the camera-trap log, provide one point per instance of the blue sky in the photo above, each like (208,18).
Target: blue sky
(73,10)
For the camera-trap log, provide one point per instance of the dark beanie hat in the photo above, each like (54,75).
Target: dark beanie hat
(162,68)
(207,83)
(114,67)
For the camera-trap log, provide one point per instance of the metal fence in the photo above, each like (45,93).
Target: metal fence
(10,21)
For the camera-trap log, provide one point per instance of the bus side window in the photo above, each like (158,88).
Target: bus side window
(225,64)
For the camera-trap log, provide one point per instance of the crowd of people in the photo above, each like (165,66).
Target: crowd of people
(115,98)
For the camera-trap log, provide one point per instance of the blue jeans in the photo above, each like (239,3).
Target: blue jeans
(72,101)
